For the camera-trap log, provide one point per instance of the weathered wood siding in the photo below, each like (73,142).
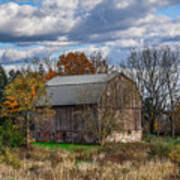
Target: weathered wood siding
(126,101)
(70,125)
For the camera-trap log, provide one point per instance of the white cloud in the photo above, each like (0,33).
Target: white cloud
(14,67)
(125,43)
(89,4)
(19,21)
(123,4)
(104,50)
(58,25)
(13,55)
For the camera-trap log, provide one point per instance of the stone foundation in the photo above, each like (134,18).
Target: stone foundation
(132,136)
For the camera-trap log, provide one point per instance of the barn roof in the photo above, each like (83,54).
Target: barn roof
(77,89)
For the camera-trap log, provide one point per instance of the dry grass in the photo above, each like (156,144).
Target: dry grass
(40,163)
(153,170)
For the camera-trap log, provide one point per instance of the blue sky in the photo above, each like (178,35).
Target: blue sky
(171,11)
(44,28)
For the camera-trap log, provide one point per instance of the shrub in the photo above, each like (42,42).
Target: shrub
(149,137)
(159,150)
(175,154)
(161,139)
(10,158)
(9,135)
(82,155)
(121,152)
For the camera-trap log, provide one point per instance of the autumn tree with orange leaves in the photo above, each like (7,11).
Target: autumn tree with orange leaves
(75,63)
(78,63)
(51,74)
(23,95)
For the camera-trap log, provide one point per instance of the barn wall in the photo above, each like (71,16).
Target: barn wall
(123,95)
(70,122)
(67,125)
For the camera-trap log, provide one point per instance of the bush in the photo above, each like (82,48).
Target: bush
(161,139)
(121,152)
(159,150)
(82,155)
(10,158)
(175,154)
(9,135)
(149,137)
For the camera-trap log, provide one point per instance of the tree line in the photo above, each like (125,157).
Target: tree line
(154,70)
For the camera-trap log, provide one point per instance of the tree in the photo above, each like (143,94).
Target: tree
(47,67)
(13,74)
(78,63)
(155,71)
(148,108)
(23,96)
(71,64)
(3,81)
(176,116)
(51,74)
(100,63)
(75,63)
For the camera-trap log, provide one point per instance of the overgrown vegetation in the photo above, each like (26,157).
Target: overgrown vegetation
(10,136)
(21,97)
(113,161)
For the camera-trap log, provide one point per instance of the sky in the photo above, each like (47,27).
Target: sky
(48,28)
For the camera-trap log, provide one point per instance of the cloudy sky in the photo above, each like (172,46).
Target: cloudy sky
(44,28)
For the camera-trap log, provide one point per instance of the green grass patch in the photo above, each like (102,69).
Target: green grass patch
(66,147)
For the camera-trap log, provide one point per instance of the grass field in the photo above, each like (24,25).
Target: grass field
(155,158)
(71,147)
(67,147)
